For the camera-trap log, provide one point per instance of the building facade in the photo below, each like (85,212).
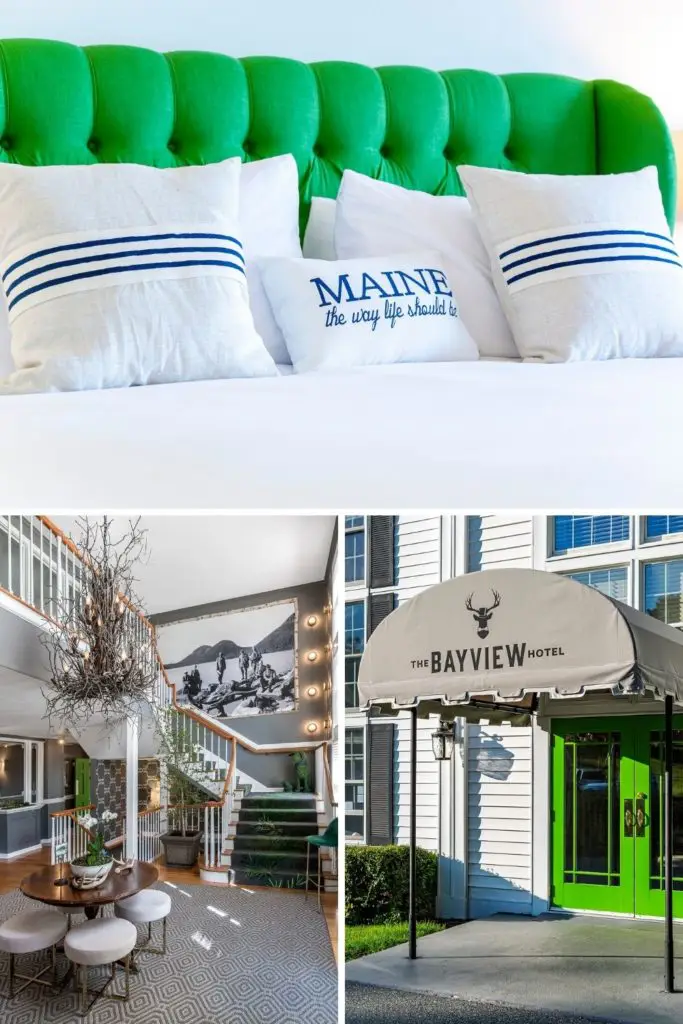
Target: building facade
(565,812)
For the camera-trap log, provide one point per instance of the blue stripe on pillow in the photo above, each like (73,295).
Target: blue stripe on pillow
(582,234)
(103,271)
(587,248)
(593,259)
(48,267)
(122,240)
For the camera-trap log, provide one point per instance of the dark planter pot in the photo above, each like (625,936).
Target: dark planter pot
(181,851)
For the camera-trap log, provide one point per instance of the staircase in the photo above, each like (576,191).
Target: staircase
(250,833)
(267,845)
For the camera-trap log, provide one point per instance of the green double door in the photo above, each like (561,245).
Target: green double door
(607,814)
(82,782)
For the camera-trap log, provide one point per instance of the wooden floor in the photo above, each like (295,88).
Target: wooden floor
(12,872)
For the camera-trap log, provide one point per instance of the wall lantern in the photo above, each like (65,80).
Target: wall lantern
(442,742)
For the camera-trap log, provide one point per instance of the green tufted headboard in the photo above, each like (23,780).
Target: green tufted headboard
(60,104)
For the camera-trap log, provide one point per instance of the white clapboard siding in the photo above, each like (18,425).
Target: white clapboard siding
(427,783)
(417,554)
(506,542)
(499,819)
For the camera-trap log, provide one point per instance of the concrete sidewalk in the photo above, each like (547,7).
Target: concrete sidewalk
(600,967)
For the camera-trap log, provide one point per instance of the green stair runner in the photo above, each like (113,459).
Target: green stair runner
(269,846)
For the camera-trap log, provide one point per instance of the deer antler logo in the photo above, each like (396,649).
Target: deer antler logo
(482,616)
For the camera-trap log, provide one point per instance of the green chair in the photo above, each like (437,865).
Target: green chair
(329,839)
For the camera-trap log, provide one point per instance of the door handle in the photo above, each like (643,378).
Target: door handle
(641,816)
(628,819)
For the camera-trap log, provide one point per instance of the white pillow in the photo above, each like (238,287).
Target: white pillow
(319,235)
(118,274)
(375,218)
(338,315)
(585,265)
(269,218)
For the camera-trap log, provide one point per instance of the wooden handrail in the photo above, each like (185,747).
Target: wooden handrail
(328,778)
(231,770)
(71,811)
(149,810)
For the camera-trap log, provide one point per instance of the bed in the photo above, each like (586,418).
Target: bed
(457,435)
(469,435)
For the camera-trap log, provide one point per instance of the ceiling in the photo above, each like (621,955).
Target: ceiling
(196,559)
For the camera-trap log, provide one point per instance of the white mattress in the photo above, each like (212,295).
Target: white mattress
(474,436)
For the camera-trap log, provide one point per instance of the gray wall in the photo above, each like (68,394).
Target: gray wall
(288,727)
(12,779)
(20,829)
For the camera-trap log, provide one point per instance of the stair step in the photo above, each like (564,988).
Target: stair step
(286,829)
(276,813)
(275,879)
(267,860)
(253,841)
(278,802)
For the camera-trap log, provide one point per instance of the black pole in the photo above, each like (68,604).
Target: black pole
(412,866)
(668,846)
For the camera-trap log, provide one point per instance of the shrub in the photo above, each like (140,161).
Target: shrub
(11,804)
(377,884)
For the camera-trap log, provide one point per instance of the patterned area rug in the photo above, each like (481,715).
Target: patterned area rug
(234,957)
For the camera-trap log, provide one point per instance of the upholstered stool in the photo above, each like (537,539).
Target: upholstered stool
(95,943)
(146,907)
(31,932)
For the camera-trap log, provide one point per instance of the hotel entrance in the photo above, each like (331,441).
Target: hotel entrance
(607,814)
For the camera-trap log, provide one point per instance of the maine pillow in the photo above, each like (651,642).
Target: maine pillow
(269,218)
(374,218)
(342,314)
(118,274)
(584,265)
(319,234)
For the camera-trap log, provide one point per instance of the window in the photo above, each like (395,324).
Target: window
(613,582)
(657,527)
(663,584)
(354,646)
(585,531)
(354,783)
(21,771)
(473,543)
(354,549)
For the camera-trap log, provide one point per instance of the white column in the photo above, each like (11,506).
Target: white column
(540,822)
(40,770)
(27,771)
(132,736)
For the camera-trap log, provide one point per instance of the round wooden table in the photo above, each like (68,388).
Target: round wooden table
(41,886)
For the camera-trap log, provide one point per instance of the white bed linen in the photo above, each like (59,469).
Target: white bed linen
(457,435)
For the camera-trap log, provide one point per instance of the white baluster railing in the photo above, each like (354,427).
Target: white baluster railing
(66,832)
(149,831)
(213,834)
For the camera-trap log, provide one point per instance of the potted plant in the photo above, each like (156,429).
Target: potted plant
(185,774)
(94,866)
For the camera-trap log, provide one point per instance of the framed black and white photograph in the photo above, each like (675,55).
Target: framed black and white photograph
(236,663)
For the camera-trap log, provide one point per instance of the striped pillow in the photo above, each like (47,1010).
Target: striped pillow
(116,275)
(585,266)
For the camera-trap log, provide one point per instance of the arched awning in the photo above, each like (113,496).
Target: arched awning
(503,634)
(497,639)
